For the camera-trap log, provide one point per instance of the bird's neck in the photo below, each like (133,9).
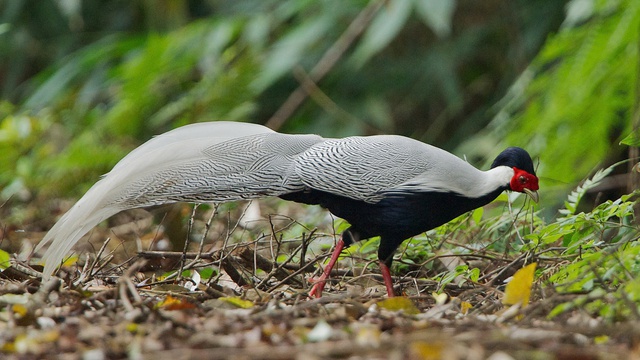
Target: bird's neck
(494,179)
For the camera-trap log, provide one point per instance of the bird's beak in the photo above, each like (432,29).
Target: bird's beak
(532,194)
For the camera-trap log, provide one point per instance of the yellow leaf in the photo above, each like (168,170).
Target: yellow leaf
(8,347)
(601,340)
(426,351)
(174,303)
(132,328)
(50,336)
(518,290)
(70,261)
(20,310)
(399,303)
(465,306)
(237,302)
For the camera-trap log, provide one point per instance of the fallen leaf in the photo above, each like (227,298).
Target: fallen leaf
(368,335)
(195,278)
(518,290)
(321,332)
(70,261)
(5,260)
(601,340)
(132,327)
(19,310)
(425,350)
(207,273)
(14,298)
(399,303)
(174,303)
(465,306)
(237,302)
(441,298)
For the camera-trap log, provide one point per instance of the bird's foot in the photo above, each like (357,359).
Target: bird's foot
(316,290)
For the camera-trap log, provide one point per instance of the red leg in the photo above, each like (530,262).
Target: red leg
(386,275)
(316,290)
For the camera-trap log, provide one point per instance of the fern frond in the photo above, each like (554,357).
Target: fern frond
(573,199)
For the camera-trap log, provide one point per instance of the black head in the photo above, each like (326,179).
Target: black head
(515,157)
(524,177)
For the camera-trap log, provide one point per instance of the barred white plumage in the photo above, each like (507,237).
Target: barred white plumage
(374,182)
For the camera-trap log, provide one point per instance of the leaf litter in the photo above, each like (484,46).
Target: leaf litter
(248,299)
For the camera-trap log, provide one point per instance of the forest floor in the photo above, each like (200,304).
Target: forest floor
(119,307)
(127,320)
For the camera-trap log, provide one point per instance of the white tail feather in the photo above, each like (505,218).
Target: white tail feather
(179,145)
(73,225)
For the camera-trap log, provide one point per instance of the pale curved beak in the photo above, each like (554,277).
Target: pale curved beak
(532,194)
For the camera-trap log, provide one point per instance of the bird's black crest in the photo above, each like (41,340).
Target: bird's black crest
(515,157)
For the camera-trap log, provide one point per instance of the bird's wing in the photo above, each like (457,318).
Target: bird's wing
(240,168)
(368,168)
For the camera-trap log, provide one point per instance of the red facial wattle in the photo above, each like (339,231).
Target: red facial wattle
(525,182)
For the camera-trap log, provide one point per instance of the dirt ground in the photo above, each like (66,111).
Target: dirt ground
(129,316)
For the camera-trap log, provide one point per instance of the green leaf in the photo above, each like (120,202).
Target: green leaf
(560,309)
(632,139)
(474,274)
(477,215)
(437,14)
(370,245)
(5,260)
(288,52)
(383,29)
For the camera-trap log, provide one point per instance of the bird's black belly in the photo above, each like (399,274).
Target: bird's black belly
(397,217)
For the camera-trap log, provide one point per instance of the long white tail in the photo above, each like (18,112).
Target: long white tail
(198,162)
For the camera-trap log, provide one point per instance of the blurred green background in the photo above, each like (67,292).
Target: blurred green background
(84,82)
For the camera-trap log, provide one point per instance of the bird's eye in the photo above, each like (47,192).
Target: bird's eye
(522,179)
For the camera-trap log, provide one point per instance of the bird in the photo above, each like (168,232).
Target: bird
(390,186)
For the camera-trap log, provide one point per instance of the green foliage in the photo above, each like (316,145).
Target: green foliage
(110,84)
(384,28)
(577,97)
(462,272)
(151,86)
(571,205)
(19,135)
(603,246)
